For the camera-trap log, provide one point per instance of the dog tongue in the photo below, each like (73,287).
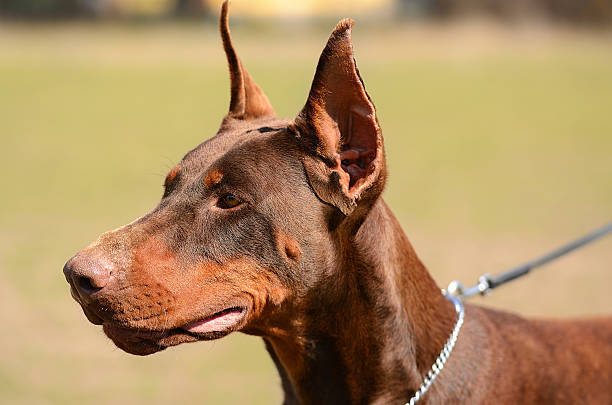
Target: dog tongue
(218,322)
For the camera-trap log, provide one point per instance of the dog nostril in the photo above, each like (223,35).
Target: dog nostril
(85,285)
(67,271)
(88,272)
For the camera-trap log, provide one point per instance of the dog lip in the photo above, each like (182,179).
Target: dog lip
(143,334)
(222,321)
(93,317)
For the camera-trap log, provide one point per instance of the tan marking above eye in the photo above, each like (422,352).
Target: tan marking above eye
(212,178)
(171,175)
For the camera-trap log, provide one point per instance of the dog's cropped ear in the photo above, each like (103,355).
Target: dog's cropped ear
(339,126)
(248,101)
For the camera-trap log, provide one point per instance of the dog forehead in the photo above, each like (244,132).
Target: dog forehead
(232,135)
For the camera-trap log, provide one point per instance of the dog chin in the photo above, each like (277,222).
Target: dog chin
(142,343)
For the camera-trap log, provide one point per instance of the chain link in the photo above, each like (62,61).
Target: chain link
(444,354)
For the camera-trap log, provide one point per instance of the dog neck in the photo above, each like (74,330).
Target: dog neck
(369,334)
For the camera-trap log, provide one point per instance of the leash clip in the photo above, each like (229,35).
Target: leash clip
(484,284)
(458,290)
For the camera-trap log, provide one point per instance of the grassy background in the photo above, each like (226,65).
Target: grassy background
(499,144)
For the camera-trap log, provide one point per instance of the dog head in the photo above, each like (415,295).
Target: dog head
(250,221)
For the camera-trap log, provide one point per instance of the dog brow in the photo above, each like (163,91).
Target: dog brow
(213,178)
(171,175)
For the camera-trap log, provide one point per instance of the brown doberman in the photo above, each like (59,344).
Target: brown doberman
(276,228)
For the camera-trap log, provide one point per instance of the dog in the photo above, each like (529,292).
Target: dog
(276,228)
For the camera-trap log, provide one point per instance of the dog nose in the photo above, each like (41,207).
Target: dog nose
(87,273)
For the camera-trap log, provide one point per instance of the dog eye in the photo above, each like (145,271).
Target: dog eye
(229,200)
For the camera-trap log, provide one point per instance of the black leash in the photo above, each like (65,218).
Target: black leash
(486,282)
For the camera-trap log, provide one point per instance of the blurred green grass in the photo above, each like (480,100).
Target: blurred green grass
(499,146)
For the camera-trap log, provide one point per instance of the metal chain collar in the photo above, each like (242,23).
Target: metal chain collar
(444,354)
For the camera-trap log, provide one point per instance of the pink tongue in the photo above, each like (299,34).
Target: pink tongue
(216,323)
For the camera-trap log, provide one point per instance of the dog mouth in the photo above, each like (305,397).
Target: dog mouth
(219,322)
(142,341)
